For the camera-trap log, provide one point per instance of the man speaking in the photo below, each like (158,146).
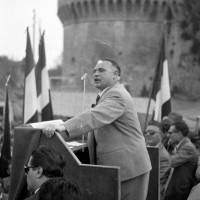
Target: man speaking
(117,133)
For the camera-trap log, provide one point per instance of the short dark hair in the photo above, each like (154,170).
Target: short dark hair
(175,117)
(166,123)
(59,189)
(155,123)
(114,64)
(51,161)
(182,127)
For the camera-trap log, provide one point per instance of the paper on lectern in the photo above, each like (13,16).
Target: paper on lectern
(43,124)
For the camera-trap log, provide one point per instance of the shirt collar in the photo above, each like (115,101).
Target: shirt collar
(180,143)
(158,145)
(36,190)
(101,92)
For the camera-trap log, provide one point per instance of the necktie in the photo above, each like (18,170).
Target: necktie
(97,99)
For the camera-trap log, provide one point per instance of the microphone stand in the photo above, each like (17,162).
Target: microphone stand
(83,77)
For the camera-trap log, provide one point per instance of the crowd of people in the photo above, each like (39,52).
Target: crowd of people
(179,157)
(115,139)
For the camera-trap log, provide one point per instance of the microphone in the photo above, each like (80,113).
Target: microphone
(83,77)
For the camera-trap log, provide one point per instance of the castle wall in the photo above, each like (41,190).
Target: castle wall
(128,31)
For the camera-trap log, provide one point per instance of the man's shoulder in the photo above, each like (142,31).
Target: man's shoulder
(188,145)
(164,153)
(117,90)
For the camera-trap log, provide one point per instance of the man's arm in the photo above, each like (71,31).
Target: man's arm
(182,156)
(106,112)
(110,108)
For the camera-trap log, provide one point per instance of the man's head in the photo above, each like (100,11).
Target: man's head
(153,133)
(44,163)
(174,117)
(106,73)
(59,188)
(178,131)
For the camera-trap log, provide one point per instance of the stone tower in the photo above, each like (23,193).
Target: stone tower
(128,31)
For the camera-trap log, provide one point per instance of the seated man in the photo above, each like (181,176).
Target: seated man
(153,137)
(44,164)
(184,162)
(59,189)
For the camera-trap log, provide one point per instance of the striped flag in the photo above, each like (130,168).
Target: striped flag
(5,152)
(30,113)
(43,86)
(161,88)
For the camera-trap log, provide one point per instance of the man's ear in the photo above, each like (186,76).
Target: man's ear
(116,73)
(40,172)
(117,77)
(180,134)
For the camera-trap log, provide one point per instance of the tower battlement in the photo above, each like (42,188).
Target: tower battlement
(80,11)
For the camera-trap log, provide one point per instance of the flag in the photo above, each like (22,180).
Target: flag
(43,86)
(30,113)
(5,152)
(161,88)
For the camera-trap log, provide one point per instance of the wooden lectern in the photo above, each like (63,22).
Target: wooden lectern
(96,182)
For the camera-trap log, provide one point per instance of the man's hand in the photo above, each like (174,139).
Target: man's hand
(50,129)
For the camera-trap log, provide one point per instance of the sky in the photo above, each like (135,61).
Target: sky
(17,15)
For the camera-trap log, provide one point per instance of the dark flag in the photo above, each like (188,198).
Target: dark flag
(43,86)
(5,152)
(161,88)
(30,113)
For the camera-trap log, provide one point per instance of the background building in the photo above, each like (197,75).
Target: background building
(130,32)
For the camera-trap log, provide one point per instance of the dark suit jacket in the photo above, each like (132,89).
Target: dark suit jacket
(118,135)
(183,177)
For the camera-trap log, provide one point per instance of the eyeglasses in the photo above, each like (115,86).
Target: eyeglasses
(174,131)
(150,132)
(27,168)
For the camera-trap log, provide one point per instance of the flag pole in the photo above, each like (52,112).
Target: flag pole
(151,89)
(34,24)
(148,106)
(83,77)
